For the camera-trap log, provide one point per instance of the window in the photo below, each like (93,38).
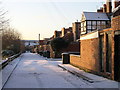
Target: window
(89,23)
(89,27)
(98,22)
(103,23)
(108,24)
(94,27)
(93,22)
(98,27)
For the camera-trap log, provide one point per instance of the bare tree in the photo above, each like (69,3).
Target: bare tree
(4,23)
(11,40)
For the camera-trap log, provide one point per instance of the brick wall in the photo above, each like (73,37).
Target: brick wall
(116,23)
(89,57)
(57,34)
(76,30)
(75,60)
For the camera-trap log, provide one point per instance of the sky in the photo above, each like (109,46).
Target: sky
(34,17)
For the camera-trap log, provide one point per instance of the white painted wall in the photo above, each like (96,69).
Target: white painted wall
(90,36)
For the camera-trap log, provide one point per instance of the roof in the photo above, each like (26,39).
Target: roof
(95,16)
(31,43)
(30,40)
(116,9)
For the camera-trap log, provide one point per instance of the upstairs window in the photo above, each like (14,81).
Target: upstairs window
(93,23)
(89,23)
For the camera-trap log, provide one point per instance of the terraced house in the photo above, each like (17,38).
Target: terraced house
(100,42)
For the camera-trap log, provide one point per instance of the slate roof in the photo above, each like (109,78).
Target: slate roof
(95,16)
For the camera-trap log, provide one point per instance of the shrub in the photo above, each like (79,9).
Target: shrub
(58,43)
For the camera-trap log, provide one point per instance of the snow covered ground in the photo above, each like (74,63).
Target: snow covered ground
(34,71)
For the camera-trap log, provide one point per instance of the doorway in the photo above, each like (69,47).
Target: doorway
(117,58)
(101,53)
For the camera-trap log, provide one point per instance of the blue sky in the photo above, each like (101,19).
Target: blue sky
(31,17)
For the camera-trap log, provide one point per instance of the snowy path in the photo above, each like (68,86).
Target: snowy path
(33,71)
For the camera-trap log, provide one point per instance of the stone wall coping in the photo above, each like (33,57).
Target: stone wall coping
(75,55)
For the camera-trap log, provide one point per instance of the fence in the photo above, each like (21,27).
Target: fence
(6,62)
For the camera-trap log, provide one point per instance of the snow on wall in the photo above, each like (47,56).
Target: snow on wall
(90,36)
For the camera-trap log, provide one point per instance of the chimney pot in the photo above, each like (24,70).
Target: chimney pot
(100,10)
(116,3)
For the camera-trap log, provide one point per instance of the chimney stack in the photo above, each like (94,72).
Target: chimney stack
(116,3)
(104,8)
(100,10)
(109,6)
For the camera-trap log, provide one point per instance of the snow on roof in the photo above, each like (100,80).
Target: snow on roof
(116,9)
(95,16)
(31,43)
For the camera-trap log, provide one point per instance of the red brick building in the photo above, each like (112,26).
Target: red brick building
(57,34)
(76,28)
(100,50)
(65,31)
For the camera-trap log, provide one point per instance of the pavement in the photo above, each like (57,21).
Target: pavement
(7,71)
(91,78)
(54,59)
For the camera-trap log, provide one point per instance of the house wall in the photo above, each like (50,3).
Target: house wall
(89,52)
(65,30)
(89,55)
(57,34)
(76,30)
(116,22)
